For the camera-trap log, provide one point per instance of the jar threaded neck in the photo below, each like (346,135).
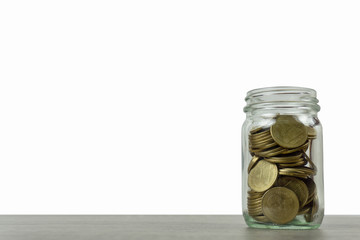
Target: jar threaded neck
(282,98)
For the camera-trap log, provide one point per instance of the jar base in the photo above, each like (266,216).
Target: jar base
(295,224)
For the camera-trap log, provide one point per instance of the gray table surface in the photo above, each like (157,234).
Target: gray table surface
(159,227)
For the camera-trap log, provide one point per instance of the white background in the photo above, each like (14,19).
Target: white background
(135,107)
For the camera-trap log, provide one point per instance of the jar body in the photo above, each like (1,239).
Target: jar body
(282,161)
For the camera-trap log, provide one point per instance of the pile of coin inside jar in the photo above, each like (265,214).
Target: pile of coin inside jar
(281,173)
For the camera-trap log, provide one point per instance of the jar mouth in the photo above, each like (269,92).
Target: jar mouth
(282,97)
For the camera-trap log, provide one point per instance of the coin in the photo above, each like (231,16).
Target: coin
(298,175)
(301,170)
(280,205)
(304,210)
(255,130)
(309,217)
(311,163)
(295,164)
(261,142)
(301,148)
(261,218)
(256,213)
(311,133)
(260,139)
(288,132)
(307,170)
(255,207)
(311,188)
(266,145)
(270,152)
(293,172)
(285,158)
(262,176)
(255,204)
(254,200)
(253,162)
(260,134)
(297,186)
(254,194)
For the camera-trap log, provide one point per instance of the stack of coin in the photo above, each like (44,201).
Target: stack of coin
(254,201)
(280,173)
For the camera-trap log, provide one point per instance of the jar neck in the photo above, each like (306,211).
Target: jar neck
(281,100)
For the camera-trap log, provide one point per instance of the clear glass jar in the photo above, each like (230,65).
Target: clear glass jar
(282,159)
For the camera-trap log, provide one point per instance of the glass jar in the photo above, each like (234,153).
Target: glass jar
(282,159)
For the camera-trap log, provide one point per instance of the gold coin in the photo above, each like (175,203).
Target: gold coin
(299,175)
(285,158)
(307,170)
(311,133)
(310,199)
(288,132)
(252,192)
(294,172)
(261,218)
(255,208)
(255,194)
(311,188)
(254,140)
(304,210)
(262,176)
(255,213)
(254,200)
(265,146)
(297,186)
(254,205)
(280,205)
(309,217)
(251,200)
(253,162)
(302,148)
(270,152)
(261,142)
(255,130)
(301,170)
(260,134)
(311,163)
(296,164)
(254,197)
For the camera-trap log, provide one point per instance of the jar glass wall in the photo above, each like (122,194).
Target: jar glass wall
(282,159)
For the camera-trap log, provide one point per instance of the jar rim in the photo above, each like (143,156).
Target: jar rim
(281,97)
(280,90)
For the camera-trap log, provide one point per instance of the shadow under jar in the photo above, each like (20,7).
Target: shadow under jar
(282,159)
